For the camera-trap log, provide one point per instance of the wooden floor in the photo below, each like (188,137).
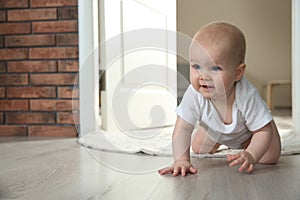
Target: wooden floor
(62,169)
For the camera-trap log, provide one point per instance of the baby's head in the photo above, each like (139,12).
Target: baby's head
(224,43)
(217,55)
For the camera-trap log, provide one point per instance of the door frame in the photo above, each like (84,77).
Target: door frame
(88,44)
(296,65)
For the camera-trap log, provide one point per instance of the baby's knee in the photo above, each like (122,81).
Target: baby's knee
(204,150)
(196,150)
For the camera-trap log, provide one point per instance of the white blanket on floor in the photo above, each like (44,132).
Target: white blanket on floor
(160,144)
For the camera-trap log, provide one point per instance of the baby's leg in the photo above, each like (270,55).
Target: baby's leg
(201,143)
(273,153)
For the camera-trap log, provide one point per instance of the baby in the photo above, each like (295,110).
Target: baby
(228,107)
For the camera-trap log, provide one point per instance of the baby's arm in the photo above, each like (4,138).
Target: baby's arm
(181,142)
(256,149)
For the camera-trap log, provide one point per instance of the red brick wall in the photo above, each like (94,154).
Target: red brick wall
(38,67)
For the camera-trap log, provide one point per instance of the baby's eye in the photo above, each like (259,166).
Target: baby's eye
(216,68)
(196,67)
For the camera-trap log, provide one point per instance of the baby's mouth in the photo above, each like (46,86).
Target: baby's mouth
(206,86)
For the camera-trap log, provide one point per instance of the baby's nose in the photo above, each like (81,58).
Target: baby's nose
(204,76)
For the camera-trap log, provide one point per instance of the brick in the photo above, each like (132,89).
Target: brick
(13,105)
(53,53)
(52,79)
(55,26)
(13,79)
(2,67)
(13,54)
(30,40)
(31,92)
(30,118)
(53,105)
(67,39)
(68,92)
(68,66)
(14,28)
(14,4)
(1,118)
(6,130)
(52,131)
(32,66)
(2,92)
(31,14)
(2,15)
(67,118)
(68,13)
(53,3)
(1,41)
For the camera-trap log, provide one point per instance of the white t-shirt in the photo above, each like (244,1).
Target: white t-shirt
(249,113)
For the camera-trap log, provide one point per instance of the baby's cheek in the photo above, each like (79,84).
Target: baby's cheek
(193,77)
(220,86)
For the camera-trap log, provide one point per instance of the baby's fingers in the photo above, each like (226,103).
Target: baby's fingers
(176,171)
(166,170)
(232,157)
(250,169)
(193,170)
(183,171)
(246,167)
(236,162)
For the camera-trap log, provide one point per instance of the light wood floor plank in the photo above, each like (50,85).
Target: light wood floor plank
(62,169)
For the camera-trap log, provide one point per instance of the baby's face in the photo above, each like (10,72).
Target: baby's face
(212,72)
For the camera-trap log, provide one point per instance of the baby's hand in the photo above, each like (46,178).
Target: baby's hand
(244,158)
(182,167)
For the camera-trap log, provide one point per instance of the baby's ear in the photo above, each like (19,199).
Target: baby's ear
(240,71)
